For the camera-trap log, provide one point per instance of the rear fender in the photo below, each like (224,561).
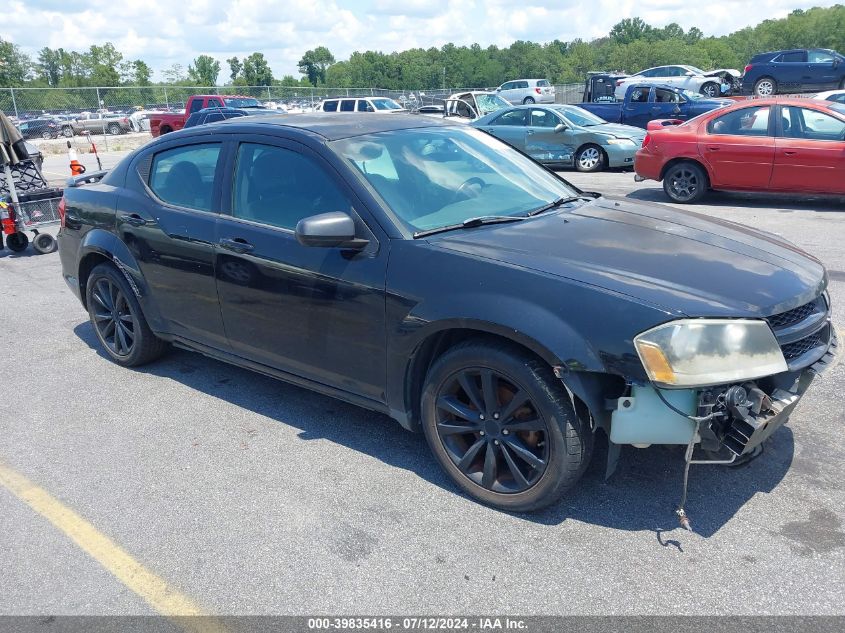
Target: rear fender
(106,244)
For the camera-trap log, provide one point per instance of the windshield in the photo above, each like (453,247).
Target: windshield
(434,177)
(385,104)
(241,102)
(838,107)
(697,71)
(490,103)
(580,117)
(692,96)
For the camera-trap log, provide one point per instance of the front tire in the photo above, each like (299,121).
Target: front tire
(115,129)
(685,182)
(710,90)
(67,131)
(589,158)
(502,426)
(117,318)
(765,87)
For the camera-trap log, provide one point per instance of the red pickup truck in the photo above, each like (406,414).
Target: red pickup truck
(164,123)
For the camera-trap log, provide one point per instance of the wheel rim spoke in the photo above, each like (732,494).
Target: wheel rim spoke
(467,383)
(519,398)
(488,476)
(470,455)
(453,406)
(488,390)
(523,453)
(516,473)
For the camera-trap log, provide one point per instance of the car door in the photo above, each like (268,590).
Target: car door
(821,71)
(542,143)
(739,148)
(510,127)
(317,313)
(167,219)
(789,70)
(809,151)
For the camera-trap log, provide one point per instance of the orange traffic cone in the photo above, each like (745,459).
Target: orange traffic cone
(76,168)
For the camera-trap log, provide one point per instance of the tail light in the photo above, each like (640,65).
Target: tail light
(747,68)
(61,209)
(646,141)
(538,91)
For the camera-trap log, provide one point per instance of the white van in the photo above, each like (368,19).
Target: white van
(360,104)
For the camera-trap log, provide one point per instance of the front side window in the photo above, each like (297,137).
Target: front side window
(661,95)
(279,187)
(543,118)
(363,106)
(810,124)
(433,177)
(514,117)
(744,122)
(820,57)
(184,176)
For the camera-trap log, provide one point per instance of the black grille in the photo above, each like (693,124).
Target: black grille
(792,351)
(791,317)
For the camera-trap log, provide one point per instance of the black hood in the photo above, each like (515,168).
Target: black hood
(675,260)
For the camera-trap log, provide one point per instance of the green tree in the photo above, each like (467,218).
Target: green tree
(141,73)
(104,63)
(15,66)
(235,67)
(49,66)
(256,71)
(174,74)
(315,63)
(630,30)
(204,71)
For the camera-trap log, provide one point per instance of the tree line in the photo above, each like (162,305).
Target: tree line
(630,46)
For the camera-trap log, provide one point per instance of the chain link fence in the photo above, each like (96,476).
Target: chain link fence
(25,103)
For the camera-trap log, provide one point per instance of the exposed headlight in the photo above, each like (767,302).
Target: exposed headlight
(620,141)
(701,352)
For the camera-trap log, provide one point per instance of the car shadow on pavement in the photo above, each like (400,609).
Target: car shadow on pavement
(782,203)
(641,496)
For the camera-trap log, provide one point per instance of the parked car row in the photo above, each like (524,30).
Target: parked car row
(49,127)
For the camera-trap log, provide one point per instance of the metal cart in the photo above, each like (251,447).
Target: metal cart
(28,204)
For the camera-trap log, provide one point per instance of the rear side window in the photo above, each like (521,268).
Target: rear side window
(795,56)
(279,187)
(184,176)
(514,117)
(347,105)
(543,118)
(743,122)
(522,84)
(330,106)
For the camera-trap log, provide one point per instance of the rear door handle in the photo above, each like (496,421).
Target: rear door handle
(236,244)
(530,132)
(134,219)
(790,152)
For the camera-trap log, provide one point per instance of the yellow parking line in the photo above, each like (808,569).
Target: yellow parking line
(161,596)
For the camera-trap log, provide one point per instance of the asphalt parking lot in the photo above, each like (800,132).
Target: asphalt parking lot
(247,495)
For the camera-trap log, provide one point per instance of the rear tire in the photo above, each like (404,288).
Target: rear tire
(117,318)
(528,100)
(765,87)
(17,242)
(46,134)
(512,440)
(44,243)
(685,182)
(115,129)
(67,131)
(165,130)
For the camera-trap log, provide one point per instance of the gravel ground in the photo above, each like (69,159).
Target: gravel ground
(253,496)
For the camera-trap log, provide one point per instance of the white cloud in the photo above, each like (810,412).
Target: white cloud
(163,32)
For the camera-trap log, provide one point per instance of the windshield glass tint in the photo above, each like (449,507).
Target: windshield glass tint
(386,104)
(697,71)
(579,116)
(241,102)
(490,103)
(433,177)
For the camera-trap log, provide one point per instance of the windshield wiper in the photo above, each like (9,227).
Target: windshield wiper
(553,205)
(471,223)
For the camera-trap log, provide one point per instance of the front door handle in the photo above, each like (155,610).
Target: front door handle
(134,219)
(236,244)
(712,148)
(790,152)
(530,132)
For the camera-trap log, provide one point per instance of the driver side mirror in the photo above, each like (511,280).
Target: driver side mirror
(560,127)
(835,62)
(329,230)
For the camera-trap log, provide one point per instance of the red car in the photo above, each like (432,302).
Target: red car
(784,145)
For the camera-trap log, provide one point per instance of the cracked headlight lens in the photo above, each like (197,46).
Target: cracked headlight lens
(702,352)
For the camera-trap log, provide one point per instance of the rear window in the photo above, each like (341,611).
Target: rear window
(543,82)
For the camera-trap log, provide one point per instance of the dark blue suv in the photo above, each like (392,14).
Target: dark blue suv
(797,70)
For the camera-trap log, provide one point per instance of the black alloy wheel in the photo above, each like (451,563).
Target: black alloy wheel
(113,319)
(492,430)
(685,182)
(502,426)
(118,320)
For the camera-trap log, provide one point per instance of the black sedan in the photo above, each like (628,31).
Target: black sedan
(432,273)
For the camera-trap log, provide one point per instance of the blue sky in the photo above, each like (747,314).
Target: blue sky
(163,32)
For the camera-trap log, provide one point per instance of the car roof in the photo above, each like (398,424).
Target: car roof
(337,126)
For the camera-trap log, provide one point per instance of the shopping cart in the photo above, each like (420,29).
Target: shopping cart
(28,204)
